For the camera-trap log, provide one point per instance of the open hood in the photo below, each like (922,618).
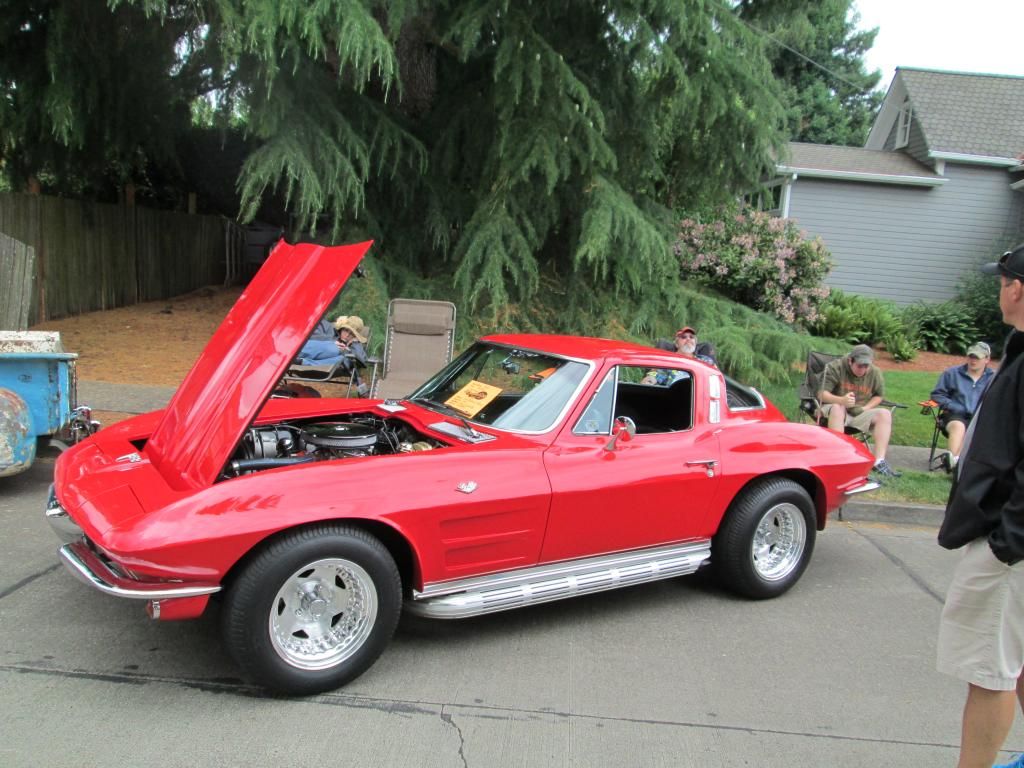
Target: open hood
(245,358)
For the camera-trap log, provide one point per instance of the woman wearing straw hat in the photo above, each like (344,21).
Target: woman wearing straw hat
(348,347)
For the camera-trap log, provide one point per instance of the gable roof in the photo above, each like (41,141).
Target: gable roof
(960,113)
(856,164)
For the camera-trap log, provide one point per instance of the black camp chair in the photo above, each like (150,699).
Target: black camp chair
(931,408)
(811,385)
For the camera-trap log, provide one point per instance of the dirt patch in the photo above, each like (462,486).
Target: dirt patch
(923,361)
(155,342)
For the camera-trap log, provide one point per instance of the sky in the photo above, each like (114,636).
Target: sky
(958,35)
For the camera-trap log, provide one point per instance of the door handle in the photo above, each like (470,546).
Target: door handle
(708,464)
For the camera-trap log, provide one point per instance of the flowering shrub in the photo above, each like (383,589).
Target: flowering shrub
(758,260)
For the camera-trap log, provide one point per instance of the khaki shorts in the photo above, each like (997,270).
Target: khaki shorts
(981,633)
(861,422)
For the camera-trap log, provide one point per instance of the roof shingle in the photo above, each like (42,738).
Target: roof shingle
(965,113)
(826,157)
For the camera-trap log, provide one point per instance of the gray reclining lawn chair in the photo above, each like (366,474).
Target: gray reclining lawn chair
(419,342)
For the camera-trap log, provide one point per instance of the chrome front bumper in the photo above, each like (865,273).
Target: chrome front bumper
(870,485)
(60,521)
(90,568)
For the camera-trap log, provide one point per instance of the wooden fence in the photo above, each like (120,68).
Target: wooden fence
(91,256)
(17,279)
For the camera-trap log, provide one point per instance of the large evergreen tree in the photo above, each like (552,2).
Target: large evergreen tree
(817,54)
(500,141)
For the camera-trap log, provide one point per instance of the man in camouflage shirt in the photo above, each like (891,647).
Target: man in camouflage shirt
(852,388)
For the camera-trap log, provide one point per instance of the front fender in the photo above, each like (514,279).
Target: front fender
(17,436)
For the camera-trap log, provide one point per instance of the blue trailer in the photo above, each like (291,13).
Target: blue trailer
(38,398)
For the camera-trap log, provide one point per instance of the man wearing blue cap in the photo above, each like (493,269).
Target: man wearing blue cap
(981,633)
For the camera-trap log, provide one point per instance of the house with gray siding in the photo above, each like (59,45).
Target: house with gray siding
(937,188)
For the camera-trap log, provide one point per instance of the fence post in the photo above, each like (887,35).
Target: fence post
(17,275)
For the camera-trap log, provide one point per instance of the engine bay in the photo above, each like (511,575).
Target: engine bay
(309,440)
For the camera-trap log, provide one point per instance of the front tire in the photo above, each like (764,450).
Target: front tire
(766,539)
(313,610)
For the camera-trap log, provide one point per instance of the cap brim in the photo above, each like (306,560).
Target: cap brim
(992,268)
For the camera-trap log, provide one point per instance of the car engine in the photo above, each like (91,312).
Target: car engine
(299,442)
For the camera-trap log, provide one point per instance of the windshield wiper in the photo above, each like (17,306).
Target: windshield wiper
(453,412)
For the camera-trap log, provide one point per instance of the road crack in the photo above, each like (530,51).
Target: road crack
(446,718)
(903,567)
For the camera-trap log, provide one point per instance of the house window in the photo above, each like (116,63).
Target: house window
(768,198)
(903,125)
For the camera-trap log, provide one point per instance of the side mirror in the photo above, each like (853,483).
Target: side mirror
(623,429)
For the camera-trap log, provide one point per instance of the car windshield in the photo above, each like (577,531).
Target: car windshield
(507,387)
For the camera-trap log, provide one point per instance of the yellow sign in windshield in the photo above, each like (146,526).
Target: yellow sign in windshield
(472,398)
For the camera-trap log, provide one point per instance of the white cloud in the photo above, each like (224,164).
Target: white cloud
(975,36)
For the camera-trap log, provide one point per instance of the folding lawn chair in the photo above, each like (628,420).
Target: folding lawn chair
(337,373)
(931,408)
(419,342)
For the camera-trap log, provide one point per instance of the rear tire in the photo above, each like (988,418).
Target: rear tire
(313,610)
(766,539)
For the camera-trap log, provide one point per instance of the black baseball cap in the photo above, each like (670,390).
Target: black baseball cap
(1010,264)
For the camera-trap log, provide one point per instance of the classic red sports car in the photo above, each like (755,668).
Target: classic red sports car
(532,468)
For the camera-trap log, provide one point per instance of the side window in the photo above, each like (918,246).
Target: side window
(657,401)
(597,418)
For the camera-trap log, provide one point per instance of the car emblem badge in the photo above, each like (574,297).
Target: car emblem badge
(131,458)
(467,487)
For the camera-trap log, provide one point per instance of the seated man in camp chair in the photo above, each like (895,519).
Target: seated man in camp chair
(957,394)
(348,348)
(852,388)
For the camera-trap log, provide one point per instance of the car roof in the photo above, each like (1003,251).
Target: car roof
(585,347)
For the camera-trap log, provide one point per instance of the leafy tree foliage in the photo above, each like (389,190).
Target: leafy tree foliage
(91,95)
(501,143)
(836,106)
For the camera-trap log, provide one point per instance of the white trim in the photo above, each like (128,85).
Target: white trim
(940,167)
(957,157)
(787,187)
(888,114)
(877,178)
(1017,185)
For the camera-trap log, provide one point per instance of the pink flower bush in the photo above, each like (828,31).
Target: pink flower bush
(762,261)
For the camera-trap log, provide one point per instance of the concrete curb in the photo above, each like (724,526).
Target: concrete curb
(893,512)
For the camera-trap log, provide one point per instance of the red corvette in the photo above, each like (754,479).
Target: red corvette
(532,468)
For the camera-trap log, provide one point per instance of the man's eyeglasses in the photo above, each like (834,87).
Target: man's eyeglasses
(685,336)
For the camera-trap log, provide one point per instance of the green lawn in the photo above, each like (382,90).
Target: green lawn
(914,487)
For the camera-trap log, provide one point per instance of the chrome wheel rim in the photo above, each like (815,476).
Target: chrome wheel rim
(323,614)
(779,542)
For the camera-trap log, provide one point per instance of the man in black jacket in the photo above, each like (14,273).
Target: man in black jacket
(981,635)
